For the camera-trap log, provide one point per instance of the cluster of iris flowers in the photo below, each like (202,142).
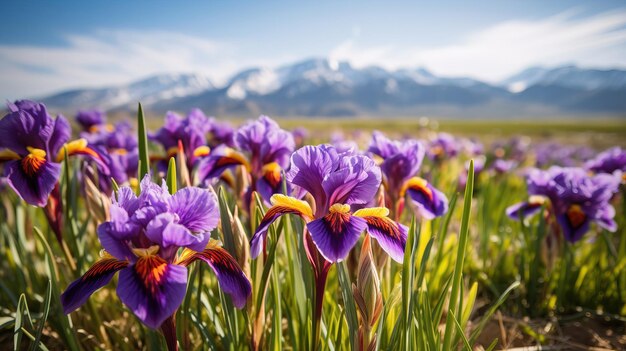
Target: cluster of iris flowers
(152,233)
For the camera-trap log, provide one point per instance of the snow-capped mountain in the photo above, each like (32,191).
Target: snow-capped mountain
(320,87)
(153,89)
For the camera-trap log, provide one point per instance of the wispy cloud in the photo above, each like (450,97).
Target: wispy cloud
(507,47)
(110,57)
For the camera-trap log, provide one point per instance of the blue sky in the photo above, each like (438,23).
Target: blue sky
(46,46)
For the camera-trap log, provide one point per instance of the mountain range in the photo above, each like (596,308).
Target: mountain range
(320,87)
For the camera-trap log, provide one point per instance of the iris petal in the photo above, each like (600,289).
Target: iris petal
(281,205)
(164,230)
(389,234)
(196,208)
(336,233)
(230,276)
(152,289)
(96,277)
(33,189)
(429,202)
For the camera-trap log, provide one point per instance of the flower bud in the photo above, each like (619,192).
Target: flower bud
(97,202)
(242,246)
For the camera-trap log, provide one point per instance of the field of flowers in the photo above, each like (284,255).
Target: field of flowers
(200,234)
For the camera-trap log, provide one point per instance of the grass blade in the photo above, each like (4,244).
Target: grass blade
(142,138)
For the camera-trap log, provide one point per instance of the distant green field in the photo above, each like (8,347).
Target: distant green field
(596,133)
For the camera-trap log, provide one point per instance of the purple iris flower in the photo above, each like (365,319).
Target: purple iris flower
(222,133)
(341,185)
(190,131)
(267,148)
(442,147)
(401,161)
(608,161)
(117,145)
(31,144)
(576,199)
(501,166)
(90,120)
(142,242)
(299,135)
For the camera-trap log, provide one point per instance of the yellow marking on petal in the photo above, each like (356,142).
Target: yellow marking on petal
(231,155)
(271,172)
(339,208)
(105,254)
(151,251)
(293,203)
(372,212)
(417,183)
(185,255)
(74,147)
(436,150)
(171,152)
(536,200)
(120,151)
(7,154)
(35,159)
(201,151)
(36,152)
(133,182)
(379,160)
(109,127)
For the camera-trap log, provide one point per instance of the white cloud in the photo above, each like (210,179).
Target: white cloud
(110,57)
(505,48)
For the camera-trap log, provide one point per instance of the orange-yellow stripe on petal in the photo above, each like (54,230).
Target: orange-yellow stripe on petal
(7,154)
(201,151)
(372,212)
(419,184)
(280,200)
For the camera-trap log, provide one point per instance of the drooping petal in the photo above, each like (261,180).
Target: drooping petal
(36,187)
(230,276)
(164,231)
(390,235)
(336,233)
(152,289)
(429,202)
(526,209)
(281,205)
(573,225)
(96,277)
(196,208)
(220,160)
